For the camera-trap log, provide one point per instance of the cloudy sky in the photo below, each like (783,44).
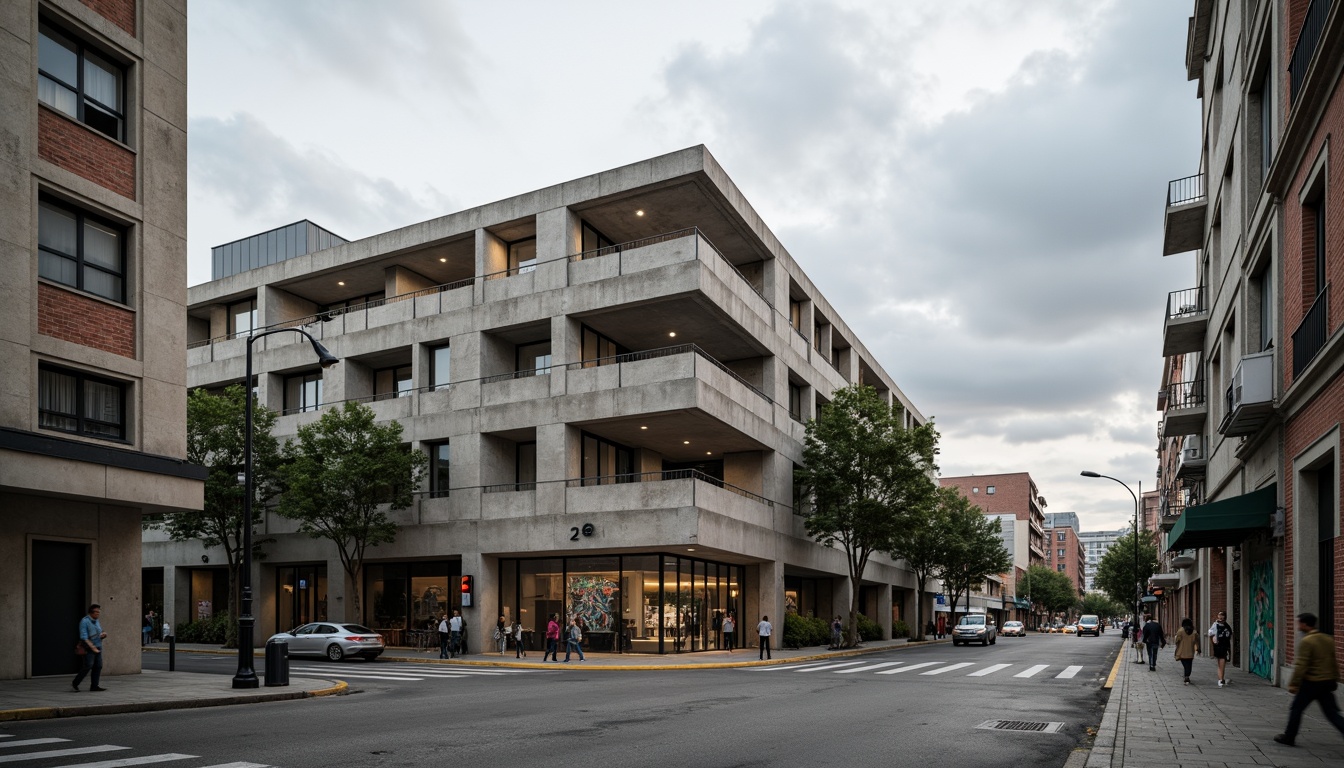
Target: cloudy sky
(977,186)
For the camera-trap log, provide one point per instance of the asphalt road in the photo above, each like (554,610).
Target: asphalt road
(900,708)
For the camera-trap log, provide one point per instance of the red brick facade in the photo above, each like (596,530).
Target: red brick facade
(85,152)
(119,12)
(66,315)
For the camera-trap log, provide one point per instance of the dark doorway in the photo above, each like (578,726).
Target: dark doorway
(60,594)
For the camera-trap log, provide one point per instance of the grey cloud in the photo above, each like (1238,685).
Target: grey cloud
(260,175)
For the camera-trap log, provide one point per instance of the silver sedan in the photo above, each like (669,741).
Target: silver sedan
(333,640)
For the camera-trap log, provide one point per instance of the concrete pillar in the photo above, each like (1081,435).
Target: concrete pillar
(559,234)
(174,601)
(765,598)
(558,457)
(340,607)
(841,595)
(481,615)
(566,347)
(884,610)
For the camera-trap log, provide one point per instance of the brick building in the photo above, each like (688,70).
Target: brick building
(1020,507)
(1064,551)
(93,224)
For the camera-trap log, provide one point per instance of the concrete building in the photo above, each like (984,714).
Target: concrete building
(1011,495)
(1095,546)
(1064,552)
(93,224)
(611,378)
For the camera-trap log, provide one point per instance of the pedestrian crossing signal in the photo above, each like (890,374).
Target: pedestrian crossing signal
(467,591)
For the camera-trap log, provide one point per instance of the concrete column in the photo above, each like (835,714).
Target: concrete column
(559,234)
(481,615)
(765,599)
(558,459)
(884,610)
(566,347)
(340,607)
(219,320)
(841,594)
(173,599)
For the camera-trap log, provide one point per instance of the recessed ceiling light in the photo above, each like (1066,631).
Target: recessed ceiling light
(685,442)
(643,427)
(639,212)
(443,260)
(340,282)
(690,549)
(709,453)
(673,334)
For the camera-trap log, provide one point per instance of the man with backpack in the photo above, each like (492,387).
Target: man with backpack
(1220,635)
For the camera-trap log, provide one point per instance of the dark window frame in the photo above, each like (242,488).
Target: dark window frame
(533,368)
(520,481)
(80,377)
(517,266)
(598,240)
(434,382)
(234,331)
(305,377)
(435,492)
(396,391)
(606,350)
(45,27)
(81,263)
(619,451)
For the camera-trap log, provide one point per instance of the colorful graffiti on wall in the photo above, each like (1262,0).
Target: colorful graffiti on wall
(1262,619)
(592,599)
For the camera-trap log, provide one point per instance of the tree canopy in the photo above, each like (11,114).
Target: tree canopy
(862,474)
(1048,589)
(1115,573)
(923,544)
(340,471)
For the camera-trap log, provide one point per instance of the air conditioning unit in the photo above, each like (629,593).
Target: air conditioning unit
(1191,449)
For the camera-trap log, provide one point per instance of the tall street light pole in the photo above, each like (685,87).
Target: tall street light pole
(246,676)
(1138,590)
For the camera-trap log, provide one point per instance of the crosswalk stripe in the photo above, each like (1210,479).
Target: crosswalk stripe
(831,666)
(787,667)
(907,669)
(29,742)
(1068,672)
(991,669)
(1031,671)
(239,765)
(868,668)
(59,753)
(396,678)
(144,760)
(948,668)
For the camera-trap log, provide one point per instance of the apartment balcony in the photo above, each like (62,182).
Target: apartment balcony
(1187,408)
(1187,204)
(1186,322)
(1311,333)
(1250,396)
(1308,40)
(1184,558)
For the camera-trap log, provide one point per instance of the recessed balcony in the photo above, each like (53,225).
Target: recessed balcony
(1187,408)
(1250,397)
(1187,204)
(1186,322)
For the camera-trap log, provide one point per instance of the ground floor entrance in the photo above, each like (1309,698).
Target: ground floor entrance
(60,584)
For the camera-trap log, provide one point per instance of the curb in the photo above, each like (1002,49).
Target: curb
(48,713)
(1115,669)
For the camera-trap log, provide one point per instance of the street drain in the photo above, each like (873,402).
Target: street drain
(1021,726)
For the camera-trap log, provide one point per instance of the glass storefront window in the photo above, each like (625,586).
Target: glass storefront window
(301,595)
(429,594)
(542,593)
(642,590)
(401,596)
(593,599)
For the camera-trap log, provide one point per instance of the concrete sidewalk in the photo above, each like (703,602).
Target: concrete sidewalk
(746,657)
(1152,719)
(150,691)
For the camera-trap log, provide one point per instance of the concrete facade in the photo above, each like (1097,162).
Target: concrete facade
(77,473)
(618,366)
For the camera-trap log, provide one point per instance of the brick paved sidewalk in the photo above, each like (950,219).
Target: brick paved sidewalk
(1152,719)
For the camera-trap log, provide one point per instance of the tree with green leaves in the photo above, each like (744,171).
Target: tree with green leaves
(863,472)
(342,473)
(975,548)
(1048,589)
(1101,605)
(1116,574)
(923,544)
(215,436)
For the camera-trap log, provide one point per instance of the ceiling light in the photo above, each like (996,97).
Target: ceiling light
(709,453)
(443,260)
(643,427)
(685,442)
(639,212)
(340,282)
(673,334)
(690,549)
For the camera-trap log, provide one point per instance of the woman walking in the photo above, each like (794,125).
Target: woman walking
(729,627)
(502,634)
(552,640)
(519,652)
(1187,645)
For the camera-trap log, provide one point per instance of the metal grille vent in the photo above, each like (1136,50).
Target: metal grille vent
(1024,726)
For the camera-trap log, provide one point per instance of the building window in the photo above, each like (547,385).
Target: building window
(242,318)
(439,470)
(78,82)
(70,401)
(525,466)
(392,382)
(534,357)
(989,489)
(303,392)
(598,349)
(1061,553)
(81,251)
(1264,290)
(439,367)
(796,315)
(796,401)
(1059,536)
(1060,567)
(605,462)
(594,241)
(522,256)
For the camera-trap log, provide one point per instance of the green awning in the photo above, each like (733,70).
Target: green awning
(1224,523)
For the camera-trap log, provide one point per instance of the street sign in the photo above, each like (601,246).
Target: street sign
(1151,598)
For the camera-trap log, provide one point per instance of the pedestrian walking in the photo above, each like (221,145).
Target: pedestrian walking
(1154,638)
(90,647)
(443,637)
(455,635)
(518,651)
(1221,640)
(574,642)
(1136,633)
(764,630)
(1315,678)
(729,627)
(1187,645)
(147,629)
(837,633)
(502,634)
(552,640)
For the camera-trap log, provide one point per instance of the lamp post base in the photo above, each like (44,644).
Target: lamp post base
(241,680)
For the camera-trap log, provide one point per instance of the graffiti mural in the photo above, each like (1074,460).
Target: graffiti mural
(1262,619)
(592,599)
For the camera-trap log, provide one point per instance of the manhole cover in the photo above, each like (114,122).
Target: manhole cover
(1024,726)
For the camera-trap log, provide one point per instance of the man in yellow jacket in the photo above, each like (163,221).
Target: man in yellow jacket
(1315,677)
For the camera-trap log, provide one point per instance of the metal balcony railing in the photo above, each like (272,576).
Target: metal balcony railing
(1310,334)
(1186,303)
(1186,394)
(671,474)
(1187,190)
(1307,42)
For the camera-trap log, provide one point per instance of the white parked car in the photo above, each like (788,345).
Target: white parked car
(334,640)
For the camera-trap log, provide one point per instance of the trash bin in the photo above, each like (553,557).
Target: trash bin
(277,663)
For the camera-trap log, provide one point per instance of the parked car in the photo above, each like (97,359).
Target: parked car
(1013,629)
(975,627)
(333,640)
(1089,625)
(1070,629)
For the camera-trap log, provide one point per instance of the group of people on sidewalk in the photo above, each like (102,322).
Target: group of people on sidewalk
(1315,670)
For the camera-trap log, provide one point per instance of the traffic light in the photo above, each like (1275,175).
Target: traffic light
(467,591)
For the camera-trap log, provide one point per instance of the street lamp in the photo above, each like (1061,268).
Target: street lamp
(1138,590)
(246,676)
